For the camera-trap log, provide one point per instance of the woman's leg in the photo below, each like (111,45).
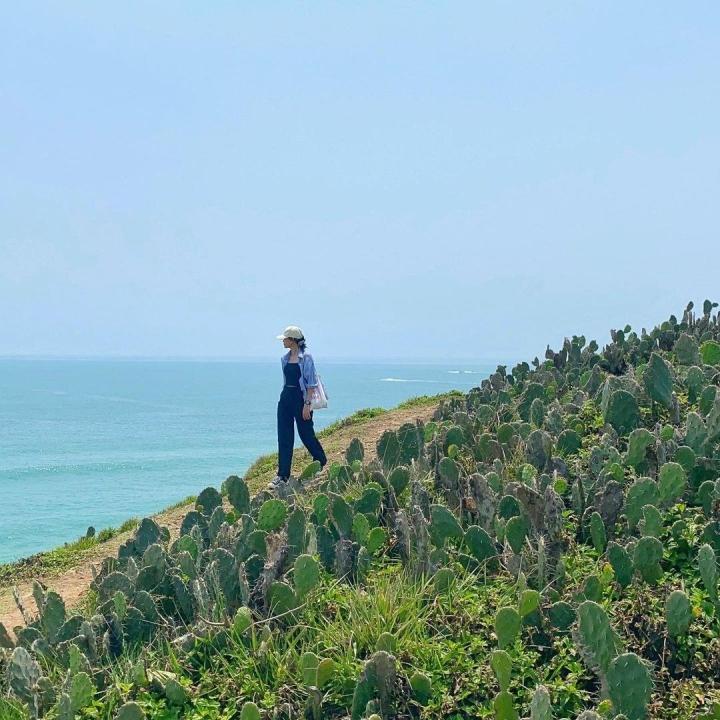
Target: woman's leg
(286,437)
(306,430)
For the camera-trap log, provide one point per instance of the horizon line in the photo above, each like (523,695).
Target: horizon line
(253,358)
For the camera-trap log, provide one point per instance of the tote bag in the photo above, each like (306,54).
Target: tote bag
(318,396)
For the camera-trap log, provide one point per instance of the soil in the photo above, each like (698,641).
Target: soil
(73,583)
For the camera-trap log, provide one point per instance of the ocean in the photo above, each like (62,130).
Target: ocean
(95,442)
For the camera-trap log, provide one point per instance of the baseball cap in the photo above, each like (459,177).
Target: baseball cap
(291,331)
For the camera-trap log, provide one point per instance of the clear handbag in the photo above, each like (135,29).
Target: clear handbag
(318,396)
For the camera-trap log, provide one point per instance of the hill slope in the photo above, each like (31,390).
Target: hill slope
(545,546)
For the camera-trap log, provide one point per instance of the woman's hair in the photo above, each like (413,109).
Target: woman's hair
(301,344)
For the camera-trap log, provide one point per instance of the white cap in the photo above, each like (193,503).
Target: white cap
(291,331)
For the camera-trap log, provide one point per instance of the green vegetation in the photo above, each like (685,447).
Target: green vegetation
(545,546)
(53,562)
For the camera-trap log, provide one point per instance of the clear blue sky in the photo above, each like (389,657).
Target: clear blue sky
(412,179)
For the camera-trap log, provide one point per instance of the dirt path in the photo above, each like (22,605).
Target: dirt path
(72,584)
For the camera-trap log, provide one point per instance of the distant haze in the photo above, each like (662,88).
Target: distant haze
(408,180)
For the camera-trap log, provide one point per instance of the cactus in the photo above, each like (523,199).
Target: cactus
(561,615)
(360,528)
(538,449)
(399,478)
(646,558)
(622,411)
(507,626)
(296,533)
(658,382)
(479,543)
(377,681)
(444,525)
(24,676)
(540,706)
(355,451)
(501,665)
(569,442)
(707,400)
(207,501)
(504,707)
(629,686)
(370,501)
(175,693)
(341,515)
(529,602)
(515,532)
(597,532)
(52,615)
(242,621)
(250,711)
(147,533)
(597,640)
(712,423)
(695,432)
(422,687)
(376,538)
(686,350)
(652,523)
(621,563)
(678,613)
(306,575)
(642,492)
(310,471)
(281,599)
(130,711)
(707,563)
(272,515)
(388,449)
(537,412)
(710,351)
(238,494)
(638,442)
(671,483)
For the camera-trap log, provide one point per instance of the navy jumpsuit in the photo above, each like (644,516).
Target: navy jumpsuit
(289,412)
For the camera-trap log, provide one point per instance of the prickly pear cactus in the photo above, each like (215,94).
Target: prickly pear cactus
(540,705)
(377,681)
(507,626)
(671,483)
(130,711)
(501,665)
(658,381)
(678,613)
(306,574)
(622,411)
(621,563)
(629,686)
(597,640)
(272,515)
(646,559)
(638,442)
(707,564)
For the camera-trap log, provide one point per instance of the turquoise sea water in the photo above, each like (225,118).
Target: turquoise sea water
(95,442)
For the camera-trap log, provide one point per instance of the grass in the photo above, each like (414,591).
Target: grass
(53,562)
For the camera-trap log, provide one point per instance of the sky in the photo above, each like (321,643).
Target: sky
(416,180)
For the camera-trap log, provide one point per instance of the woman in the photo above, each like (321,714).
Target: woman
(294,405)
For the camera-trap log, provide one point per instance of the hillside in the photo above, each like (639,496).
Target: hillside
(545,547)
(68,570)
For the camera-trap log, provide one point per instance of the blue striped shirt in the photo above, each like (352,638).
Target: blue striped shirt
(308,378)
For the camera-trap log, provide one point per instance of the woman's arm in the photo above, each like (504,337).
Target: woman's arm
(311,382)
